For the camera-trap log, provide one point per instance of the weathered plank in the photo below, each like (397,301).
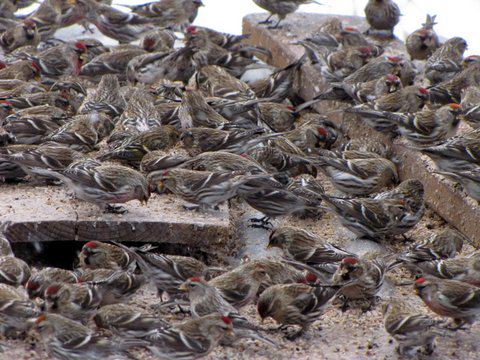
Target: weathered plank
(46,213)
(453,205)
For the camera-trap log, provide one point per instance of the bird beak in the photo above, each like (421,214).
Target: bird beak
(269,246)
(230,331)
(160,187)
(183,287)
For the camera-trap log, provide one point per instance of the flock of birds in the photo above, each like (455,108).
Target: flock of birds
(208,122)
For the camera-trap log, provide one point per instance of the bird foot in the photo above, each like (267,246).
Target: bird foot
(292,335)
(190,207)
(265,22)
(111,209)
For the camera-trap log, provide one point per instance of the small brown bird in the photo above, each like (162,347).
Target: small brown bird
(176,342)
(295,304)
(13,271)
(127,320)
(409,329)
(442,245)
(74,301)
(23,34)
(204,189)
(104,184)
(100,255)
(176,14)
(460,268)
(240,285)
(382,15)
(15,310)
(359,177)
(451,298)
(362,277)
(301,245)
(40,281)
(68,339)
(281,8)
(445,62)
(422,43)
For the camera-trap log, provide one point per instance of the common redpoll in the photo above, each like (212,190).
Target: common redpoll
(13,271)
(221,161)
(22,70)
(170,13)
(167,272)
(451,298)
(197,140)
(295,304)
(140,113)
(444,63)
(280,273)
(383,216)
(382,15)
(227,41)
(115,286)
(279,85)
(362,277)
(443,245)
(15,310)
(114,62)
(281,8)
(240,285)
(215,81)
(301,245)
(9,170)
(105,98)
(358,177)
(274,158)
(409,329)
(205,299)
(268,196)
(74,301)
(83,132)
(459,153)
(195,112)
(21,35)
(409,99)
(279,117)
(40,281)
(158,40)
(469,179)
(368,146)
(67,339)
(132,150)
(104,184)
(470,105)
(62,59)
(127,320)
(425,127)
(460,268)
(376,68)
(359,93)
(422,43)
(31,129)
(204,189)
(47,17)
(191,339)
(100,255)
(124,27)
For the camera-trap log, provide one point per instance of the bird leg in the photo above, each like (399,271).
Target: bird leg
(293,335)
(267,20)
(262,223)
(111,209)
(276,26)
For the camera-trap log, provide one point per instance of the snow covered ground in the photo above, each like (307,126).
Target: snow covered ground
(454,18)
